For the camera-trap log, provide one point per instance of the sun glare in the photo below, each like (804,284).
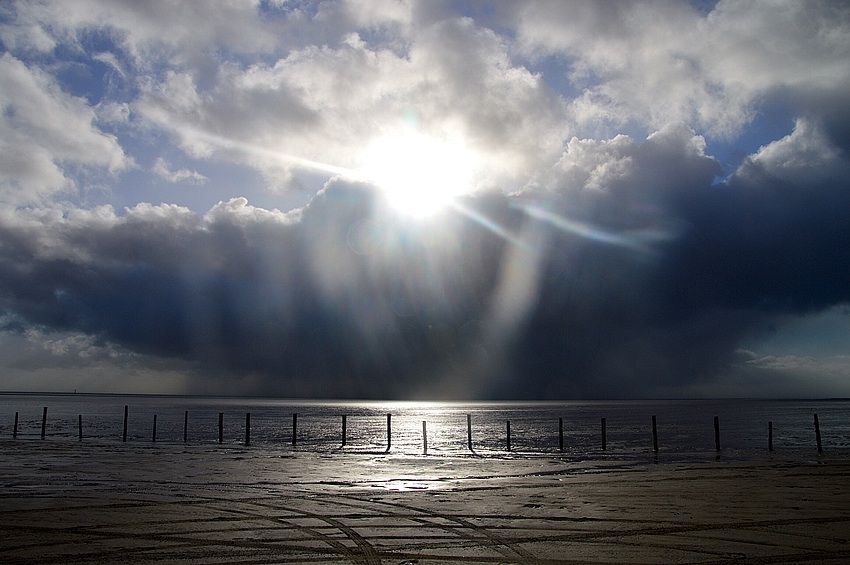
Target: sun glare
(420,174)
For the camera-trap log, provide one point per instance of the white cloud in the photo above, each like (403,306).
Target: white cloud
(827,376)
(42,130)
(181,30)
(377,13)
(805,154)
(76,345)
(323,104)
(162,169)
(64,361)
(237,211)
(590,165)
(656,62)
(113,113)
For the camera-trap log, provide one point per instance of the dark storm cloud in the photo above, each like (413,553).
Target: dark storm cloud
(632,273)
(344,301)
(773,240)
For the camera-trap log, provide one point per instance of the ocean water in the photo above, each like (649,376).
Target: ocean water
(569,430)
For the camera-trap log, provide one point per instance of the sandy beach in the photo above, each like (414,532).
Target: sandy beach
(64,502)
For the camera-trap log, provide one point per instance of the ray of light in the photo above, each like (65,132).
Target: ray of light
(258,151)
(638,240)
(488,224)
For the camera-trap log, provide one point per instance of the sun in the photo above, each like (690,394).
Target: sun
(419,173)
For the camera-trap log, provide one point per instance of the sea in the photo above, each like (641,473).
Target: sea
(628,430)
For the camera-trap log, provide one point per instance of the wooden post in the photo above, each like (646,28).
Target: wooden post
(508,434)
(80,422)
(817,435)
(424,437)
(344,428)
(247,428)
(604,436)
(561,435)
(185,426)
(716,433)
(15,429)
(294,428)
(221,427)
(389,432)
(770,436)
(153,439)
(124,433)
(43,422)
(469,431)
(654,435)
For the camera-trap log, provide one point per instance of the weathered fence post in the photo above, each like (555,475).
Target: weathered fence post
(185,426)
(424,437)
(770,436)
(654,435)
(80,422)
(221,427)
(344,428)
(247,428)
(294,428)
(15,429)
(153,438)
(561,435)
(389,432)
(124,432)
(817,435)
(469,431)
(716,433)
(508,434)
(43,422)
(604,436)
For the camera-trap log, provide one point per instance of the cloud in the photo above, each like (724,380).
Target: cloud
(153,28)
(162,169)
(658,62)
(43,131)
(600,251)
(342,296)
(249,290)
(290,114)
(772,237)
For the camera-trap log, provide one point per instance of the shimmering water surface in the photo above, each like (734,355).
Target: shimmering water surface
(685,428)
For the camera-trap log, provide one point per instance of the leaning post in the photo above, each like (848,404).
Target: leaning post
(80,423)
(389,432)
(469,431)
(15,429)
(221,427)
(344,428)
(508,434)
(124,432)
(294,429)
(43,422)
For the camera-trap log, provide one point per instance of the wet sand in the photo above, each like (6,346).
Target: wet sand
(121,503)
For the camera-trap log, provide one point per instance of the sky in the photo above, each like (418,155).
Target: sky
(434,199)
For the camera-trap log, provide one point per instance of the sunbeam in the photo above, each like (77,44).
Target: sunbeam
(638,240)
